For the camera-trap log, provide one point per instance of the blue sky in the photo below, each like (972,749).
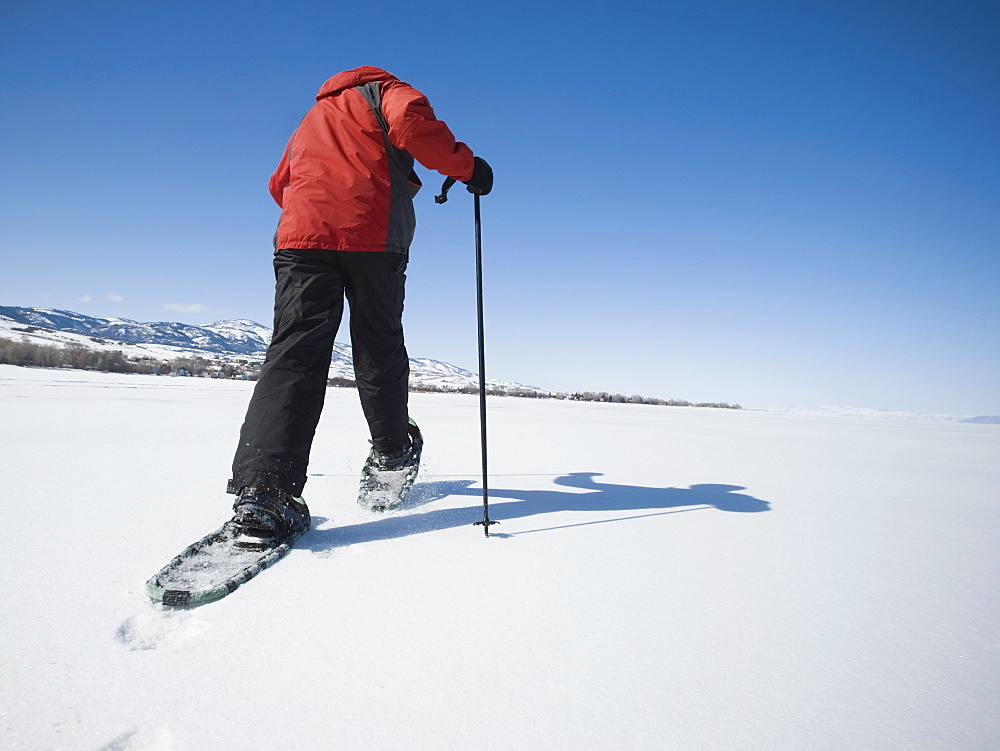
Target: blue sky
(770,203)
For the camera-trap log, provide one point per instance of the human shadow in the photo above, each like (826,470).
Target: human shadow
(587,495)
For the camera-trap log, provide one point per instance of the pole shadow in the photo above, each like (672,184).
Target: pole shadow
(586,494)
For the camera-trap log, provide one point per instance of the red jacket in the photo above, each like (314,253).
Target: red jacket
(344,185)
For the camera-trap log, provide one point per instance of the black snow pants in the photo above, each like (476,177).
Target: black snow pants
(310,287)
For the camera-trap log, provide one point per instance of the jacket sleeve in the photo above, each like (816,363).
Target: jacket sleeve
(413,127)
(282,175)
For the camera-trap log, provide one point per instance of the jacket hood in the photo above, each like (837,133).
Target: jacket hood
(351,78)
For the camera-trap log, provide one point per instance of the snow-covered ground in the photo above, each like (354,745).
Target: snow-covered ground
(662,578)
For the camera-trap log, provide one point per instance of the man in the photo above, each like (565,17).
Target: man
(345,185)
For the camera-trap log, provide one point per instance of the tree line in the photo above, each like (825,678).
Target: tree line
(583,396)
(78,357)
(604,396)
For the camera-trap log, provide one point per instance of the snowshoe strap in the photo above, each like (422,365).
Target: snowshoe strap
(266,501)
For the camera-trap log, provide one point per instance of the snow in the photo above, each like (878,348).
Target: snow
(662,577)
(868,412)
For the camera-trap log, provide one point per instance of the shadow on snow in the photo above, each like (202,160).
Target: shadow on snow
(586,495)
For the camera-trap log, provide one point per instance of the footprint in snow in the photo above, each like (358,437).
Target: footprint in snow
(158,628)
(143,739)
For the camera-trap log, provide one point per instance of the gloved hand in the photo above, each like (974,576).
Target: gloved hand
(481,182)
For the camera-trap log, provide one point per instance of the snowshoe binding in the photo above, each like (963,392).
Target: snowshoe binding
(265,519)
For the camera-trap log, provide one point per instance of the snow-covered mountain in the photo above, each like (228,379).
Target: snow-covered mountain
(222,339)
(241,337)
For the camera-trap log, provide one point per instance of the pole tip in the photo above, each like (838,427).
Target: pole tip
(486,525)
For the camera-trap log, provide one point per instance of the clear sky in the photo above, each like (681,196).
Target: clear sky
(770,203)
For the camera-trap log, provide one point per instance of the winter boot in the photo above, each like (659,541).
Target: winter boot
(266,518)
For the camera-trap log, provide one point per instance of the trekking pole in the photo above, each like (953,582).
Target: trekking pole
(486,523)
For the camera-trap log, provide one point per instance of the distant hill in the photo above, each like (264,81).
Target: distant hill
(232,337)
(220,340)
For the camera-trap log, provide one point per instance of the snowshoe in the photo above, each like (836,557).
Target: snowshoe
(387,478)
(264,528)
